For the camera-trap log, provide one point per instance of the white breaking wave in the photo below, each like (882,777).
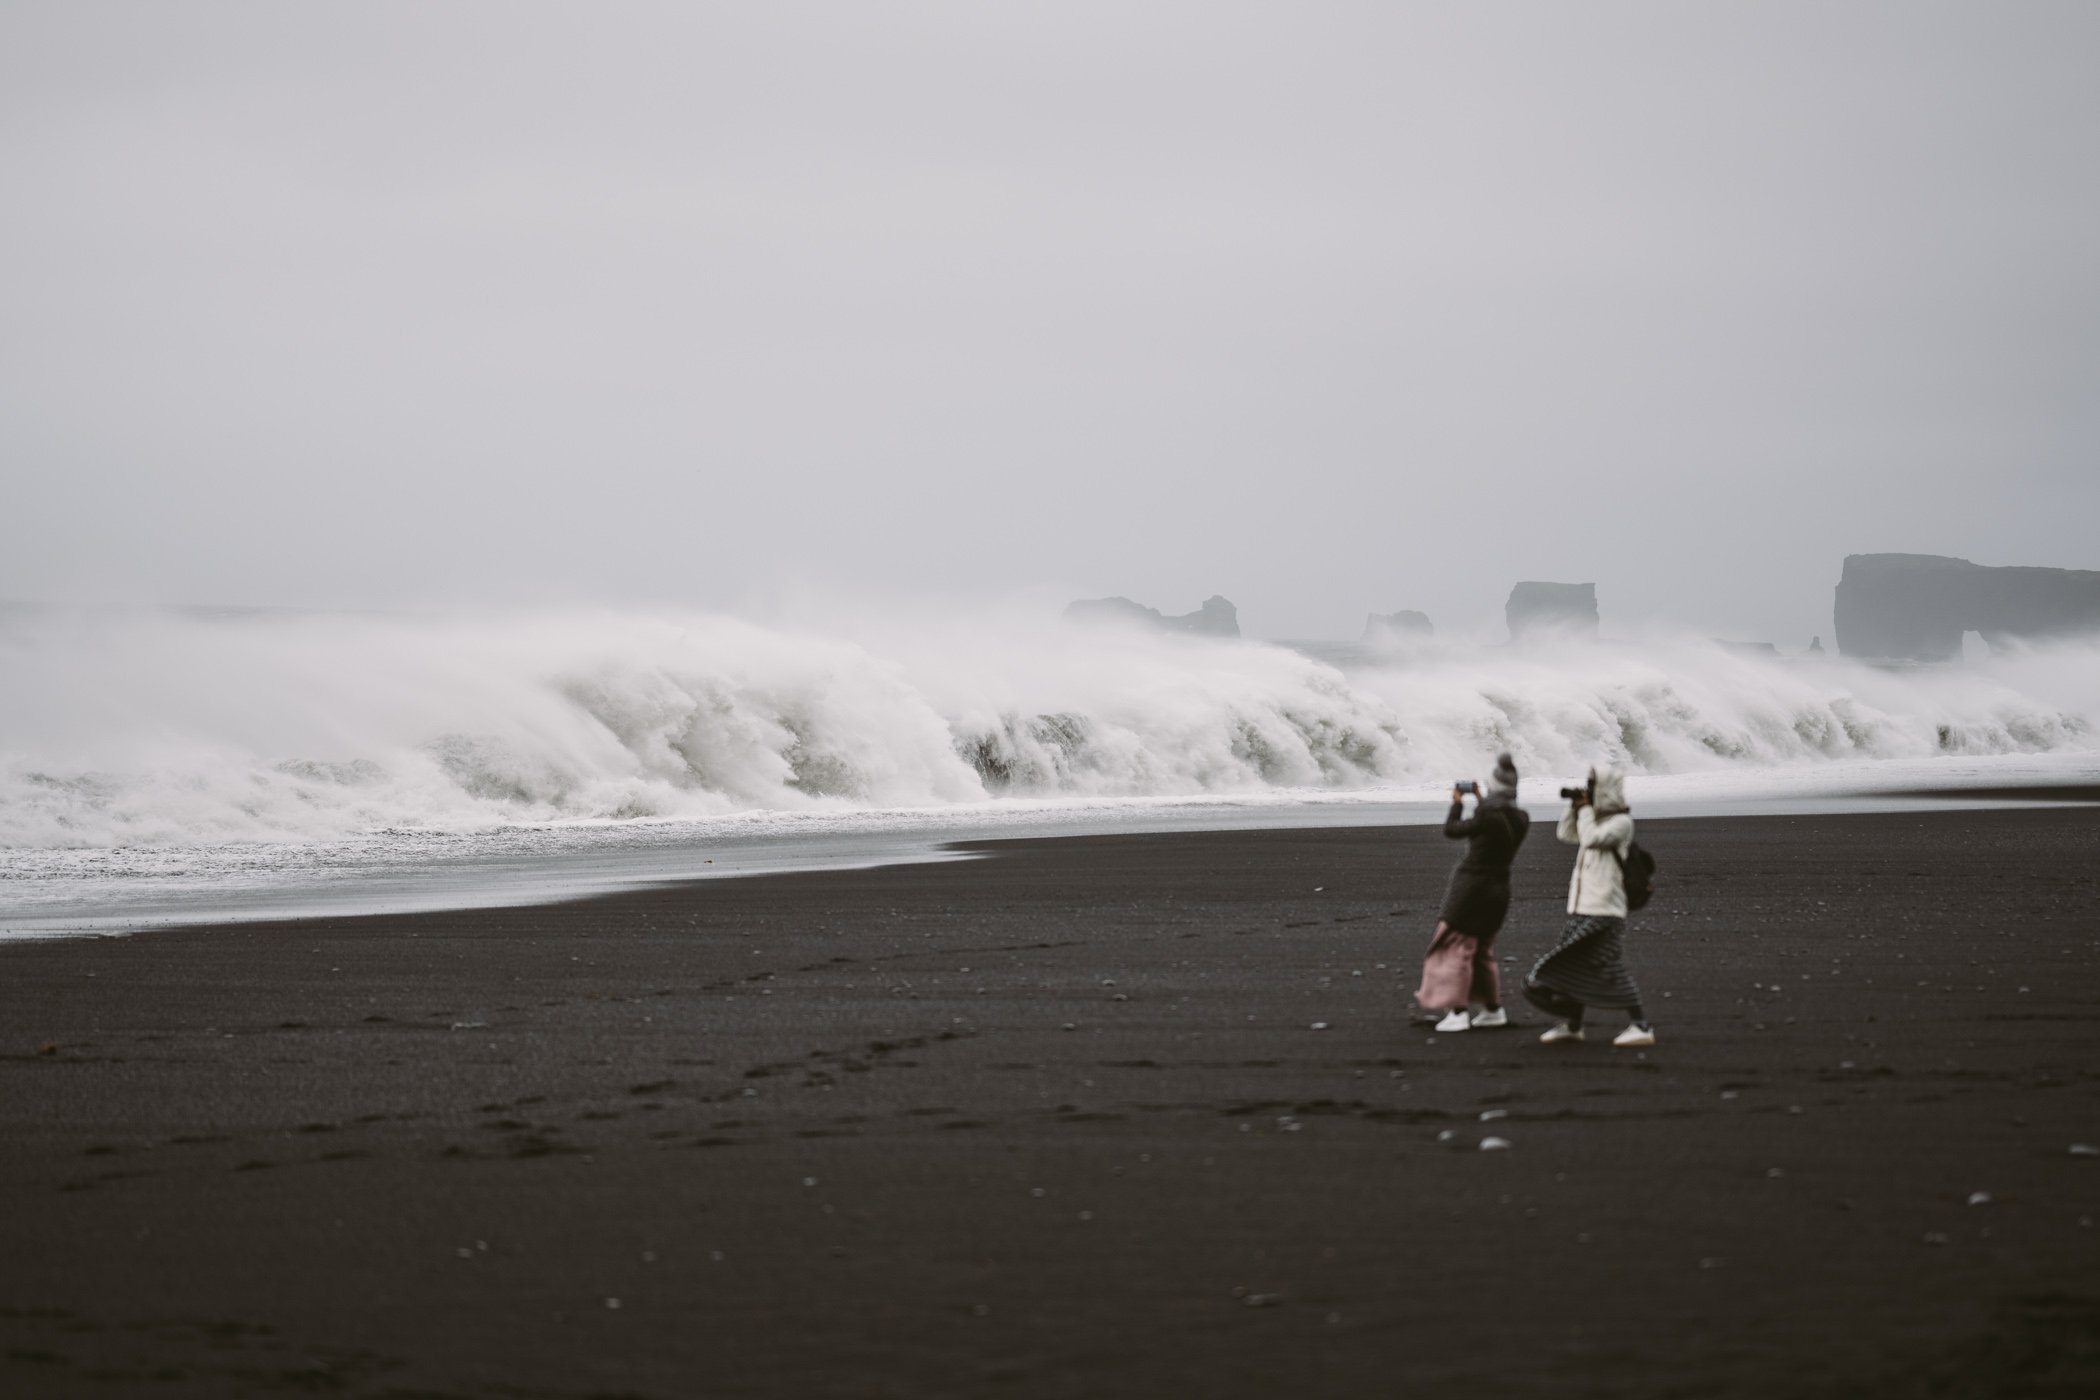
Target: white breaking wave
(184,729)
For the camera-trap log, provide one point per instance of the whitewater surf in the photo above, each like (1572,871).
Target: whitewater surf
(199,761)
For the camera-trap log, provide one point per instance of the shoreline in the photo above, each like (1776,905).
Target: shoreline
(1116,1116)
(529,865)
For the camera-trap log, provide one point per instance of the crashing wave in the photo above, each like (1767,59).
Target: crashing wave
(181,729)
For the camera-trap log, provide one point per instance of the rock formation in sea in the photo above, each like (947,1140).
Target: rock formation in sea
(1552,609)
(1216,618)
(1387,629)
(1915,607)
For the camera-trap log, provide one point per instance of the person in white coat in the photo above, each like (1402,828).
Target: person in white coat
(1588,966)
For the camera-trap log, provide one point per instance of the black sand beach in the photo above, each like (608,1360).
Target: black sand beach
(1131,1116)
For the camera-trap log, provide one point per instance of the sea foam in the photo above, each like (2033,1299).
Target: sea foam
(184,729)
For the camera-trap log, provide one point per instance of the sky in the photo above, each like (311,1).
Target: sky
(1329,308)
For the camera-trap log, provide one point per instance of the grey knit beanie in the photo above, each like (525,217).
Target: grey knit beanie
(1503,782)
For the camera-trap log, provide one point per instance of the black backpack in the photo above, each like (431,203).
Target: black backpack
(1638,869)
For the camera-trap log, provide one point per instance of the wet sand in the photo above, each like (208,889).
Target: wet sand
(1124,1116)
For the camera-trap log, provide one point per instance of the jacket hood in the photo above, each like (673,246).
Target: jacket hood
(1609,794)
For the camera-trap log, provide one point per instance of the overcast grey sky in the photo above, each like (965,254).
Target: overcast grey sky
(1326,307)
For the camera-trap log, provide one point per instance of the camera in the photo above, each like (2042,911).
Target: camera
(1463,787)
(1572,793)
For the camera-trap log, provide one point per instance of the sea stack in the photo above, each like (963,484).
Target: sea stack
(1390,629)
(1539,610)
(1915,607)
(1216,618)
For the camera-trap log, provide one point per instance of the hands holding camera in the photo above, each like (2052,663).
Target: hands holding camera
(1575,796)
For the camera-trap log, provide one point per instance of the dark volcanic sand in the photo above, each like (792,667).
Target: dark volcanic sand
(1062,1122)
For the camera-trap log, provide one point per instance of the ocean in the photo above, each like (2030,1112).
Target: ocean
(186,766)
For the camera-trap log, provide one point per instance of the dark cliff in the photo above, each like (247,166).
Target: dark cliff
(1915,607)
(1216,618)
(1552,609)
(1407,625)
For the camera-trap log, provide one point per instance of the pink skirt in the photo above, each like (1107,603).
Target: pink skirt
(1458,970)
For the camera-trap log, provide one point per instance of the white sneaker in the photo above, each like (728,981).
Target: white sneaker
(1634,1035)
(1484,1019)
(1558,1034)
(1456,1021)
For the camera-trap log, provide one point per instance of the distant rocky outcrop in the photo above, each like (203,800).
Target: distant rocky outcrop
(1915,607)
(1385,629)
(1552,609)
(1747,648)
(1216,618)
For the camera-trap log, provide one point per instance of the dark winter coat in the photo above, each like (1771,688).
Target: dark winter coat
(1477,899)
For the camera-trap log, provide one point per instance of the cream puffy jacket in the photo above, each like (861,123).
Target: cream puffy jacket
(1601,831)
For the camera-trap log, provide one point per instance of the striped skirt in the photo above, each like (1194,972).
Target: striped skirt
(1588,965)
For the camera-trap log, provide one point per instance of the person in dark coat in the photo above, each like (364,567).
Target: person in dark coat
(1459,971)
